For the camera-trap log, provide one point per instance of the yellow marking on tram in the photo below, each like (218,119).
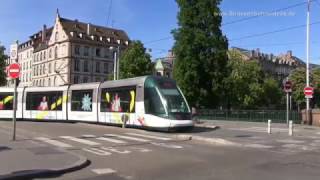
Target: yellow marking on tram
(132,100)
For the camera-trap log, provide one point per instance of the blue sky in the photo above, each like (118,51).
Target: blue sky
(152,20)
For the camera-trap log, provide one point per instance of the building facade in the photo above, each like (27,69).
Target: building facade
(279,66)
(69,52)
(164,66)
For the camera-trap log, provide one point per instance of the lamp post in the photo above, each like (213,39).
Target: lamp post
(115,62)
(307,64)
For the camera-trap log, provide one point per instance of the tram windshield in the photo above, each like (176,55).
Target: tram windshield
(163,98)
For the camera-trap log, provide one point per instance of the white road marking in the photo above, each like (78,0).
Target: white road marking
(149,136)
(127,137)
(172,146)
(258,146)
(141,149)
(54,142)
(97,151)
(111,140)
(112,149)
(290,141)
(83,141)
(103,171)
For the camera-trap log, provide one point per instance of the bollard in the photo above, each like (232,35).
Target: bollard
(290,128)
(269,126)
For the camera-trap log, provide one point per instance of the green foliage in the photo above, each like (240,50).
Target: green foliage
(298,77)
(248,88)
(3,75)
(201,52)
(134,61)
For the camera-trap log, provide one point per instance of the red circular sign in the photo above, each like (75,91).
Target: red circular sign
(14,70)
(308,91)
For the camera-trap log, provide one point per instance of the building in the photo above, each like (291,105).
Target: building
(279,66)
(164,66)
(69,52)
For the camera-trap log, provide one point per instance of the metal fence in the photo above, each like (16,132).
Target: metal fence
(277,116)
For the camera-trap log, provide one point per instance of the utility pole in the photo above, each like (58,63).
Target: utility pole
(307,64)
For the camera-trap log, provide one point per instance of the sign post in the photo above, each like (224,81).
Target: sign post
(308,92)
(288,90)
(14,73)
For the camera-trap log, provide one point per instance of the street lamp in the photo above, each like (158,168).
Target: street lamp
(115,62)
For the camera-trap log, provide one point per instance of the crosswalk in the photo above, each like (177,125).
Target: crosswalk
(108,144)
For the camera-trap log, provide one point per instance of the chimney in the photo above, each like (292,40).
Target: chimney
(258,52)
(289,54)
(88,29)
(44,30)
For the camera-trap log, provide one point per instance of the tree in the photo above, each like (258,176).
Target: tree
(3,75)
(135,61)
(244,83)
(298,78)
(248,86)
(200,49)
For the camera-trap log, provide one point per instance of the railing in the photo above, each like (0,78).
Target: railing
(277,116)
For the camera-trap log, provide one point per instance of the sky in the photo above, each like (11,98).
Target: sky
(152,21)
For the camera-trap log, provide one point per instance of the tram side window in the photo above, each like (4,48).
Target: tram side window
(81,100)
(152,102)
(44,101)
(6,101)
(118,100)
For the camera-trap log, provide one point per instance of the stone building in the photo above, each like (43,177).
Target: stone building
(164,66)
(70,52)
(279,66)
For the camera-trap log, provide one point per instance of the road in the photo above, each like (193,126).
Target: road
(117,153)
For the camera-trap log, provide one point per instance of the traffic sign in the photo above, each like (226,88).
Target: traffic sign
(287,86)
(14,71)
(308,92)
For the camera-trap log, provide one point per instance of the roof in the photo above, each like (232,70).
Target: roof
(95,30)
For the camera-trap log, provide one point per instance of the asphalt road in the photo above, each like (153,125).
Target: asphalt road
(117,153)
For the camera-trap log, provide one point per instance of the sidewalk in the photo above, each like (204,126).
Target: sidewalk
(27,158)
(254,135)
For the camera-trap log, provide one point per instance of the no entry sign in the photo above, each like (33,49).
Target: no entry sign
(14,71)
(308,92)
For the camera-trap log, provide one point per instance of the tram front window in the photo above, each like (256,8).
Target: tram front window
(164,99)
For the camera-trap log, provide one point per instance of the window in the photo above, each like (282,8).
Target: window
(49,82)
(86,51)
(50,53)
(76,65)
(49,68)
(118,99)
(76,79)
(98,52)
(98,67)
(77,50)
(105,68)
(6,101)
(44,55)
(81,100)
(57,36)
(85,66)
(85,79)
(44,101)
(56,52)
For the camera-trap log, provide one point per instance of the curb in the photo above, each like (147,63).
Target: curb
(30,174)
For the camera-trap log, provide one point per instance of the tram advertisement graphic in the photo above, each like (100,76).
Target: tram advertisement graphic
(53,106)
(122,101)
(6,102)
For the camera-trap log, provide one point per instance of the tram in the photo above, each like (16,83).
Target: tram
(149,102)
